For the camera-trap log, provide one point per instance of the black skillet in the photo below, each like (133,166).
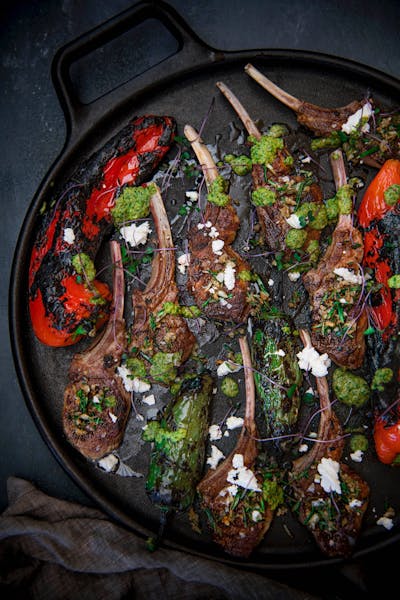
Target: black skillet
(182,85)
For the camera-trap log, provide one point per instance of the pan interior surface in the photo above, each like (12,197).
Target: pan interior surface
(193,99)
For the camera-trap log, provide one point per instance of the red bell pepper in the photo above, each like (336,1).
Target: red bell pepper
(387,439)
(372,210)
(63,307)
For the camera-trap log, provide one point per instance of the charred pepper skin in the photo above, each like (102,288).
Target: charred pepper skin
(64,306)
(179,439)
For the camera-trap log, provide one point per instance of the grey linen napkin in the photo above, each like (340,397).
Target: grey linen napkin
(53,549)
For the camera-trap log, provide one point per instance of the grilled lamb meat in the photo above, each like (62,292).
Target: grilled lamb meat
(96,404)
(347,127)
(63,305)
(338,315)
(282,198)
(331,499)
(223,492)
(153,329)
(217,275)
(322,121)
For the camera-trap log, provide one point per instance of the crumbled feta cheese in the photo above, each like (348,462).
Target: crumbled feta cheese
(200,226)
(237,461)
(256,516)
(271,282)
(294,222)
(329,471)
(354,120)
(140,386)
(386,522)
(113,417)
(217,246)
(149,400)
(306,159)
(215,433)
(96,400)
(209,224)
(234,422)
(220,277)
(132,384)
(69,235)
(294,275)
(213,233)
(135,235)
(229,276)
(357,456)
(108,463)
(348,275)
(311,360)
(231,490)
(281,352)
(355,503)
(125,375)
(183,263)
(192,195)
(241,475)
(310,391)
(227,367)
(303,448)
(215,458)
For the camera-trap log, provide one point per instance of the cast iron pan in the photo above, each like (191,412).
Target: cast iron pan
(182,85)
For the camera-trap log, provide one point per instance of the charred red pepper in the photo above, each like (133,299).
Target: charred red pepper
(64,305)
(373,209)
(387,439)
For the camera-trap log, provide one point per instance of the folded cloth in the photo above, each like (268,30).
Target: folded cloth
(53,549)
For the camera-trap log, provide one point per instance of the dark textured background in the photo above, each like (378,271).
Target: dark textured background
(33,133)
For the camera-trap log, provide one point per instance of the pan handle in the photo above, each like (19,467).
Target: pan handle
(192,52)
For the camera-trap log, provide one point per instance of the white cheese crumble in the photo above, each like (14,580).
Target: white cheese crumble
(113,417)
(149,400)
(294,222)
(354,120)
(271,282)
(229,276)
(256,516)
(281,352)
(329,471)
(183,263)
(193,195)
(227,367)
(69,235)
(234,422)
(217,246)
(311,360)
(355,503)
(386,522)
(132,384)
(108,463)
(357,456)
(294,275)
(215,433)
(348,275)
(215,458)
(135,235)
(241,475)
(213,233)
(303,448)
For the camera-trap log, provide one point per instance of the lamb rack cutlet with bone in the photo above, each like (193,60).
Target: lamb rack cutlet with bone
(289,206)
(335,286)
(233,493)
(96,404)
(374,136)
(218,277)
(158,327)
(331,499)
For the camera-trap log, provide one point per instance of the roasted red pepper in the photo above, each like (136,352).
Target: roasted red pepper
(373,209)
(387,439)
(64,305)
